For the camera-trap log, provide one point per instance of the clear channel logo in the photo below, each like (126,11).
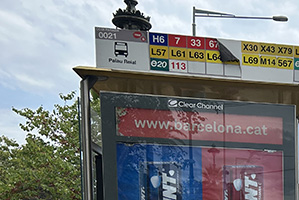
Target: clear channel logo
(173,103)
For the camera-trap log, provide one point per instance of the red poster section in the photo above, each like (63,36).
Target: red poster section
(199,126)
(241,174)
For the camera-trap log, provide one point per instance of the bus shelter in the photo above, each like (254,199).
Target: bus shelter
(185,88)
(186,117)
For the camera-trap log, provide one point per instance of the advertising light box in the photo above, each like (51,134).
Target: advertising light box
(196,56)
(160,147)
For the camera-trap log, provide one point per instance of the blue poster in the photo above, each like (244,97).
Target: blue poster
(154,172)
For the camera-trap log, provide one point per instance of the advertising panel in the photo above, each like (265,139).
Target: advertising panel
(196,56)
(199,126)
(151,171)
(177,148)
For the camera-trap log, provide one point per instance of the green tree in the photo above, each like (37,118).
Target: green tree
(48,165)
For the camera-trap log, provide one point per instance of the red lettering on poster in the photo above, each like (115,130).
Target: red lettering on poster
(199,126)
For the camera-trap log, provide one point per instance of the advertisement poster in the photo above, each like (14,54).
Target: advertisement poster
(148,171)
(199,125)
(174,148)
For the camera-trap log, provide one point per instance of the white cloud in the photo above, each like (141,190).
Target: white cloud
(25,79)
(12,26)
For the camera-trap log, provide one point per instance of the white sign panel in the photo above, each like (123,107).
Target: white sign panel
(196,56)
(119,49)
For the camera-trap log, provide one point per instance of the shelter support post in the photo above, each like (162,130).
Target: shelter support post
(86,84)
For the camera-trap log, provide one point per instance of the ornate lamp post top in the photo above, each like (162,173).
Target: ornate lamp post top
(130,18)
(131,5)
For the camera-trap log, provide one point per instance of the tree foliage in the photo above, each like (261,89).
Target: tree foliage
(48,165)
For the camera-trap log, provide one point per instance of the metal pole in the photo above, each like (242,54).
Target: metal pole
(193,23)
(87,189)
(230,16)
(206,13)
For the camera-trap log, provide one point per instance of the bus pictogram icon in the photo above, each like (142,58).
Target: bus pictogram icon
(121,49)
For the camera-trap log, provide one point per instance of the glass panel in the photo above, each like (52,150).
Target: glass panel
(152,171)
(95,118)
(174,148)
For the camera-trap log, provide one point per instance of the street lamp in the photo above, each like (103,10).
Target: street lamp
(206,13)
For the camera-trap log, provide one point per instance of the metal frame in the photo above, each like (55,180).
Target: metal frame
(112,100)
(86,84)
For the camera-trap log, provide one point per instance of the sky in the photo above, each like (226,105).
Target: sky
(41,41)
